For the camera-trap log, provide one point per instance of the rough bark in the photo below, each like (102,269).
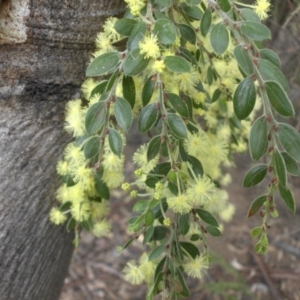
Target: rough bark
(41,67)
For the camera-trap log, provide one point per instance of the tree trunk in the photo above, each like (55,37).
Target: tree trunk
(44,49)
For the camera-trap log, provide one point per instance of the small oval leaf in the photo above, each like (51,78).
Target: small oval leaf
(207,217)
(279,99)
(123,113)
(219,38)
(124,26)
(206,22)
(147,118)
(280,167)
(148,90)
(134,63)
(128,87)
(288,198)
(244,98)
(115,142)
(271,56)
(157,252)
(258,141)
(289,138)
(244,60)
(187,32)
(95,117)
(255,175)
(291,165)
(255,31)
(91,147)
(103,64)
(256,205)
(153,147)
(177,64)
(177,126)
(165,31)
(178,104)
(137,34)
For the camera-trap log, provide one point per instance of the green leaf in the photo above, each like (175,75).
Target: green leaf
(193,2)
(289,138)
(187,32)
(148,235)
(161,170)
(99,88)
(148,90)
(279,99)
(195,237)
(256,232)
(190,248)
(137,34)
(177,126)
(255,31)
(123,113)
(157,252)
(280,167)
(255,175)
(250,15)
(291,165)
(244,98)
(213,231)
(102,189)
(185,291)
(165,31)
(128,243)
(95,117)
(178,104)
(153,147)
(103,64)
(207,217)
(115,142)
(128,87)
(124,26)
(225,5)
(288,198)
(216,95)
(184,224)
(177,64)
(256,205)
(206,22)
(149,217)
(134,63)
(219,38)
(258,142)
(91,147)
(192,11)
(71,224)
(164,3)
(271,56)
(66,206)
(140,206)
(147,118)
(160,232)
(270,72)
(196,166)
(244,60)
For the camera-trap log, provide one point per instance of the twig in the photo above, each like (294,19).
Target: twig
(291,17)
(276,295)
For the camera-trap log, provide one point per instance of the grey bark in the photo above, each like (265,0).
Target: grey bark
(42,65)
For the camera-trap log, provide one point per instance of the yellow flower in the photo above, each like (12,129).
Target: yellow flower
(101,228)
(135,6)
(133,273)
(218,150)
(99,209)
(227,213)
(201,190)
(140,159)
(63,194)
(196,267)
(87,87)
(62,168)
(74,155)
(147,267)
(216,202)
(109,29)
(74,118)
(167,222)
(56,216)
(197,143)
(81,211)
(149,47)
(112,162)
(113,179)
(262,7)
(158,66)
(103,43)
(180,204)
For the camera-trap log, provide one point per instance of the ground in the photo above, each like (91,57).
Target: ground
(236,272)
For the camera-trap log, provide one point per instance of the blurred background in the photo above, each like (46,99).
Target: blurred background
(236,272)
